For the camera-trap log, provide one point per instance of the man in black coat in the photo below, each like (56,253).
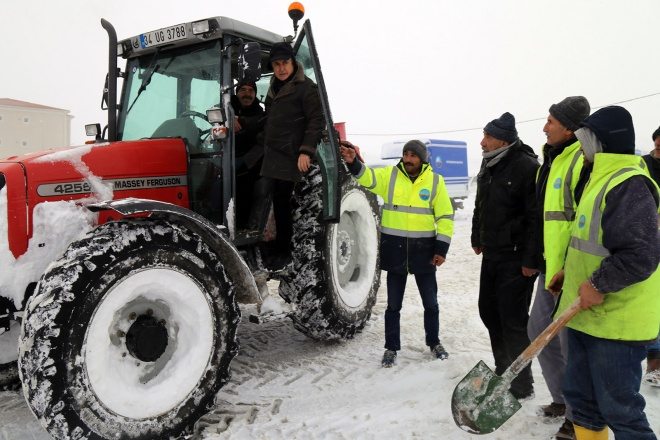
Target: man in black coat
(293,129)
(504,231)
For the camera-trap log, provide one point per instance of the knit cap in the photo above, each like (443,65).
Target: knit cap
(281,51)
(656,134)
(613,126)
(418,148)
(503,128)
(571,111)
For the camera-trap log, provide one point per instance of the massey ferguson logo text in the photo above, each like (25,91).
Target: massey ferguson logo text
(83,187)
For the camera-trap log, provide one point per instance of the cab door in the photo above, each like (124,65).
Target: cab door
(327,151)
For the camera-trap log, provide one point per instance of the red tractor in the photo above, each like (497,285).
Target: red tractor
(122,259)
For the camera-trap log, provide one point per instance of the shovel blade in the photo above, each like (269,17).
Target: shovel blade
(481,402)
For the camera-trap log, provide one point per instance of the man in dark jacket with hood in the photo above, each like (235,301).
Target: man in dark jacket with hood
(612,267)
(293,129)
(504,231)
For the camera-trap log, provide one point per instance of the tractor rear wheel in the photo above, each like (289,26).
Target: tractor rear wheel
(129,335)
(336,272)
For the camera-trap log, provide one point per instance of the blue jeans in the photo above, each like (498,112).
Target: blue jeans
(428,290)
(601,384)
(552,358)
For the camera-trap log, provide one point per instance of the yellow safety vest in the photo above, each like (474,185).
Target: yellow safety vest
(633,313)
(411,209)
(559,207)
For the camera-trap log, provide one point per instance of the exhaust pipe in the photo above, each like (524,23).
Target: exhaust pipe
(112,80)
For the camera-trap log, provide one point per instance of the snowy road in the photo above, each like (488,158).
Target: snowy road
(286,386)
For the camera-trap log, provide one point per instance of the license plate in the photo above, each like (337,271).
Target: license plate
(164,35)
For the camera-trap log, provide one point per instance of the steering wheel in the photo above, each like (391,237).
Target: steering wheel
(194,114)
(203,134)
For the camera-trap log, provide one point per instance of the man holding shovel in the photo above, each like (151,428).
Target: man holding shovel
(612,267)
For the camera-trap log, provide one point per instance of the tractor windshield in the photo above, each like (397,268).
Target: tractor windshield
(167,94)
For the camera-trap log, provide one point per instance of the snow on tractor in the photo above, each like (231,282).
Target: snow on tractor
(122,262)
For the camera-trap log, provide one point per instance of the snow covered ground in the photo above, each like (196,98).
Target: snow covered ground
(286,386)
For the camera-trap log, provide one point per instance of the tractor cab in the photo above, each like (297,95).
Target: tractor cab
(174,75)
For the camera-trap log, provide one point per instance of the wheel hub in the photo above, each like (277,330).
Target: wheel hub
(346,249)
(146,340)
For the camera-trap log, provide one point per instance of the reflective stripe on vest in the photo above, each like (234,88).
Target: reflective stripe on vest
(568,214)
(559,209)
(413,209)
(629,314)
(390,206)
(592,245)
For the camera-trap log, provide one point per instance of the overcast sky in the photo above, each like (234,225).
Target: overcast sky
(394,70)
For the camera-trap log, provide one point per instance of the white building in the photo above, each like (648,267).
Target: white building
(26,127)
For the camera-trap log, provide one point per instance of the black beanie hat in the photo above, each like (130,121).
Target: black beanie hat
(656,134)
(613,126)
(281,51)
(246,83)
(571,111)
(503,128)
(418,148)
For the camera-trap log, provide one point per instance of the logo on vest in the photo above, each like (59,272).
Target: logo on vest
(557,183)
(582,221)
(424,194)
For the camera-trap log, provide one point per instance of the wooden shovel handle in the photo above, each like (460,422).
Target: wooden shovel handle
(541,341)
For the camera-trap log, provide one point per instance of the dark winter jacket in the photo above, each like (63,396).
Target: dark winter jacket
(252,120)
(504,224)
(653,164)
(293,126)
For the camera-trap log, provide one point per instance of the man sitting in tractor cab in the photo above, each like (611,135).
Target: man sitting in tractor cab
(249,120)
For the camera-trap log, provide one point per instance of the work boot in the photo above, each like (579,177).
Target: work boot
(439,351)
(588,434)
(388,358)
(566,431)
(554,410)
(523,395)
(653,378)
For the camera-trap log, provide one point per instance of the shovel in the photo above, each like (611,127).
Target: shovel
(482,402)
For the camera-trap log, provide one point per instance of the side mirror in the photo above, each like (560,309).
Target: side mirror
(249,62)
(215,115)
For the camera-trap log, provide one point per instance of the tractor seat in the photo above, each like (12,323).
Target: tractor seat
(183,128)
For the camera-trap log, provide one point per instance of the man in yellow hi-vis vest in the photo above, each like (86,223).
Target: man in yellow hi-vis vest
(416,228)
(555,192)
(612,266)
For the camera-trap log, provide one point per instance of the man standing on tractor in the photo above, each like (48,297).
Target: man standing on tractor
(416,228)
(293,129)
